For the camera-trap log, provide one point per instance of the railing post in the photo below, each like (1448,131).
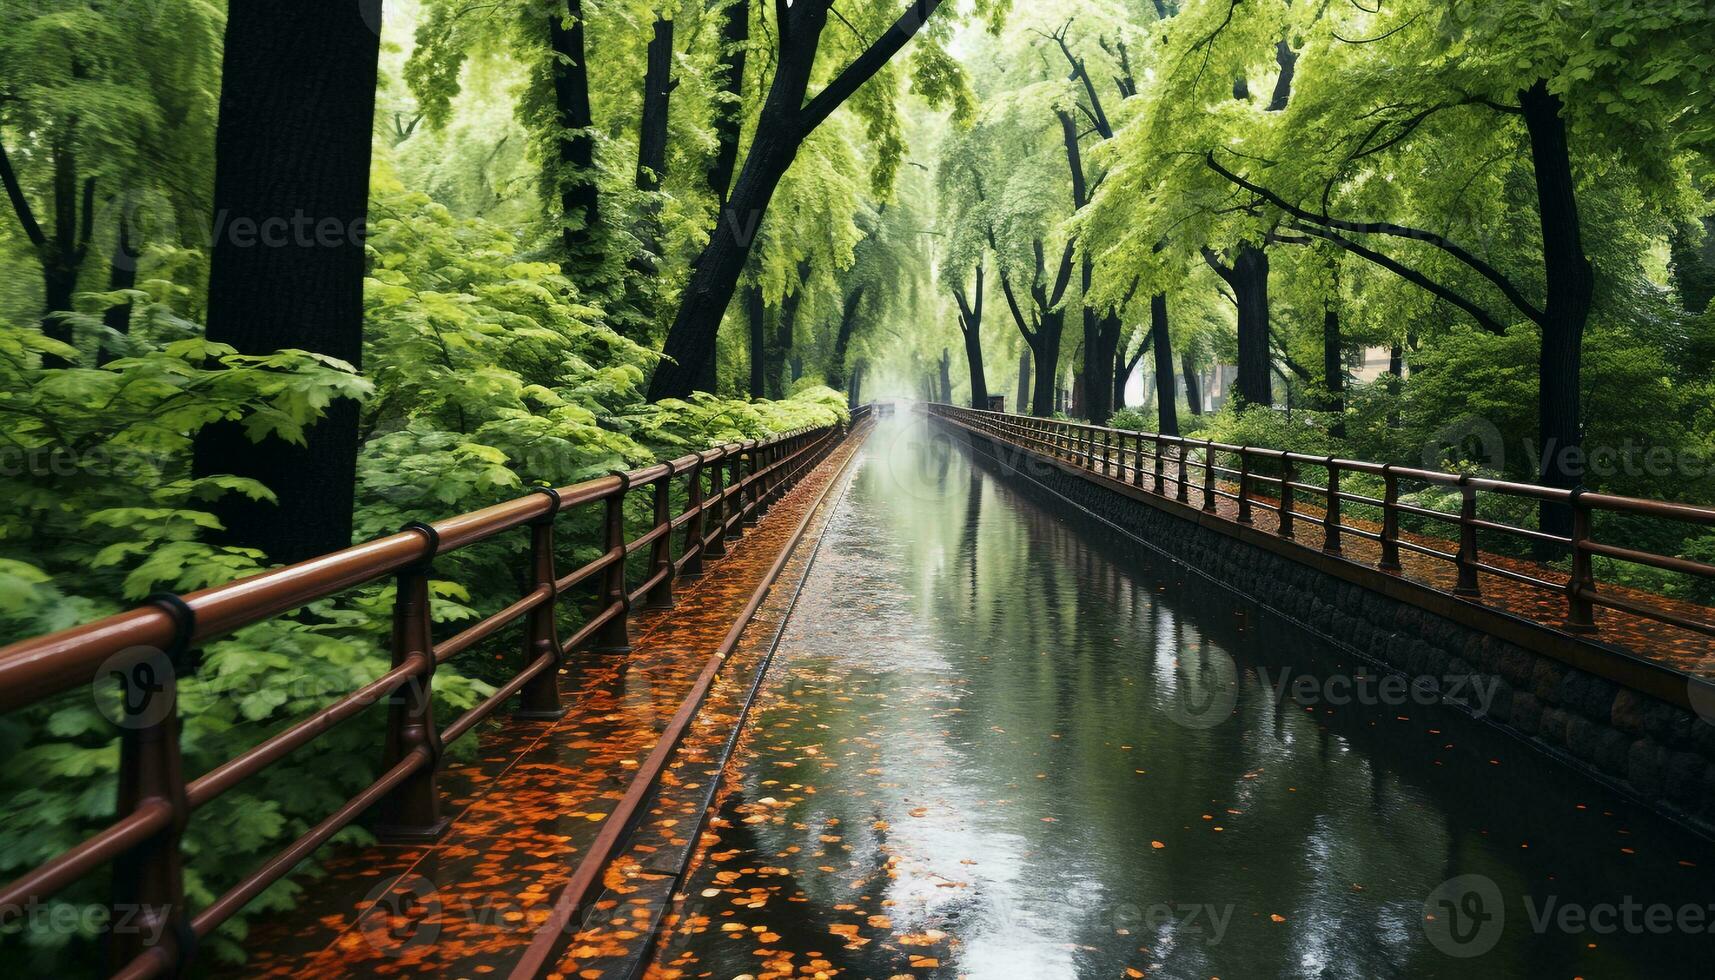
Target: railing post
(661,557)
(412,812)
(540,698)
(694,532)
(1467,540)
(615,636)
(1285,529)
(1107,450)
(732,517)
(148,879)
(716,548)
(752,511)
(1390,520)
(1581,608)
(1137,471)
(1183,493)
(1160,465)
(1331,517)
(1245,485)
(1209,505)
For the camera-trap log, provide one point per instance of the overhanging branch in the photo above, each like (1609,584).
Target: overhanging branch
(876,56)
(1489,272)
(1410,275)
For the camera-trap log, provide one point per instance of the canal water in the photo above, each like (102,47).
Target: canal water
(999,739)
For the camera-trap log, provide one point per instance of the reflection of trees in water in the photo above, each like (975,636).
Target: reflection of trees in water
(1329,800)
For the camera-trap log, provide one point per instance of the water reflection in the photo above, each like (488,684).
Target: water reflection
(1002,740)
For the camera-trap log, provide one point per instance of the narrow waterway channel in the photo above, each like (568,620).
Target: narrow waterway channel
(999,739)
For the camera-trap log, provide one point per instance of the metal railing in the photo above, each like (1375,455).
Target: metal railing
(149,648)
(1170,466)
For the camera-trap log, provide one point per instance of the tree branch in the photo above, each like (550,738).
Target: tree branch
(1489,272)
(876,56)
(20,205)
(1411,275)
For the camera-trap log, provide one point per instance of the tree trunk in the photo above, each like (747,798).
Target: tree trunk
(974,359)
(1166,407)
(1570,284)
(843,336)
(1193,390)
(1047,399)
(579,200)
(1693,266)
(783,124)
(1122,374)
(1250,289)
(856,390)
(971,328)
(1396,381)
(756,312)
(292,150)
(652,137)
(1334,369)
(729,108)
(1022,405)
(946,376)
(121,274)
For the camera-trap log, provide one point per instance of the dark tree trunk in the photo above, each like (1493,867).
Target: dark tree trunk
(971,328)
(843,336)
(59,285)
(1250,288)
(1022,405)
(1047,399)
(1166,407)
(785,332)
(1193,390)
(61,255)
(292,150)
(1396,381)
(784,123)
(658,88)
(1334,368)
(974,359)
(946,376)
(121,274)
(1287,59)
(855,391)
(1693,266)
(579,201)
(729,111)
(756,313)
(1570,284)
(1122,374)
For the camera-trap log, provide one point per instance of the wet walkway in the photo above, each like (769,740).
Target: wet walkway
(535,796)
(999,740)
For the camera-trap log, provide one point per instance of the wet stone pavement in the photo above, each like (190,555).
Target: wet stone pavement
(999,740)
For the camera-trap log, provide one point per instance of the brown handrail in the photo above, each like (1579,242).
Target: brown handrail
(729,487)
(1077,443)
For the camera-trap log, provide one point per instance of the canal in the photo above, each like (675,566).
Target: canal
(1000,739)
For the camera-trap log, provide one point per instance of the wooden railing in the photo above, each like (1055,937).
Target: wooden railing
(1170,466)
(147,650)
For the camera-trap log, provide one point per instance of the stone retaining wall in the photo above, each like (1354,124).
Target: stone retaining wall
(1657,752)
